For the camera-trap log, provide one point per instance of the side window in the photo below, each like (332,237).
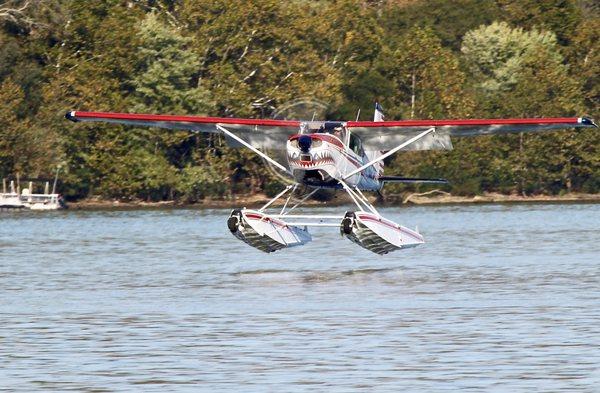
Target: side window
(342,135)
(356,144)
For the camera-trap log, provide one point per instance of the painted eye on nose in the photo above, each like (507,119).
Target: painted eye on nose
(317,143)
(294,143)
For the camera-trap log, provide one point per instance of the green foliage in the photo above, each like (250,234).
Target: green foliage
(165,81)
(522,74)
(165,71)
(421,59)
(559,16)
(439,82)
(496,54)
(135,173)
(24,148)
(584,58)
(449,20)
(198,183)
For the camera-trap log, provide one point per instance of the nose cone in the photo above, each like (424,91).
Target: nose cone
(304,143)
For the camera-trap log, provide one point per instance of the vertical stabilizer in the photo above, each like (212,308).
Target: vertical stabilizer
(378,116)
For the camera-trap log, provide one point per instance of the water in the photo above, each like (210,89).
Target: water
(501,298)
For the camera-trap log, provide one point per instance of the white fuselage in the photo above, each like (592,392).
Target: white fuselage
(323,159)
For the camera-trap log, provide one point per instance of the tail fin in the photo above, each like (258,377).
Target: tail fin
(378,116)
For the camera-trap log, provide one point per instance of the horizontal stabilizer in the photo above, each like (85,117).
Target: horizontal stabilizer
(398,179)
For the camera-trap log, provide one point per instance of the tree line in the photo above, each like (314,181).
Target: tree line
(426,59)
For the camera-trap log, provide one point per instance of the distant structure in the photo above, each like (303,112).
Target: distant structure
(14,198)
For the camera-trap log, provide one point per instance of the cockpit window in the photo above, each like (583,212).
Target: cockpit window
(332,128)
(356,144)
(339,132)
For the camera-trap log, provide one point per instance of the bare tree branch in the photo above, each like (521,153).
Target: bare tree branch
(13,12)
(16,13)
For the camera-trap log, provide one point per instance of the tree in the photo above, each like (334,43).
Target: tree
(253,57)
(166,81)
(25,148)
(584,57)
(496,54)
(558,16)
(428,84)
(258,55)
(90,63)
(426,78)
(522,73)
(17,13)
(449,20)
(166,69)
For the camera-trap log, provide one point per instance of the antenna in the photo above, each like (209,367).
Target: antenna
(55,180)
(358,114)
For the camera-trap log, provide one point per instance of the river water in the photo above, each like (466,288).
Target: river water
(502,298)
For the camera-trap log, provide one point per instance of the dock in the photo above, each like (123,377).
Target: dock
(14,198)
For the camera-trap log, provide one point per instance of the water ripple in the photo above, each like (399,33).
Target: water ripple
(161,300)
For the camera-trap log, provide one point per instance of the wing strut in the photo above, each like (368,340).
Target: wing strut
(389,153)
(254,149)
(358,197)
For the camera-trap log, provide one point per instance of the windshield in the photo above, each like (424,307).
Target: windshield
(336,129)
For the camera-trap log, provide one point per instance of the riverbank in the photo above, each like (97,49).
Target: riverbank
(442,198)
(429,198)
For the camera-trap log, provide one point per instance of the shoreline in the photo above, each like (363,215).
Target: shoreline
(255,201)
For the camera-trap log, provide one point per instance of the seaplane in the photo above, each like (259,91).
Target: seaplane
(342,155)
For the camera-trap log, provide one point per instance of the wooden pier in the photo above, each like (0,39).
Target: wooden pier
(13,197)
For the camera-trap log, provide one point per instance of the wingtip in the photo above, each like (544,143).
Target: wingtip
(70,115)
(588,121)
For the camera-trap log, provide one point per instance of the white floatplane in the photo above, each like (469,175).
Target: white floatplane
(345,155)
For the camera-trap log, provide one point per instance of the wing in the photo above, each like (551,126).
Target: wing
(260,133)
(388,134)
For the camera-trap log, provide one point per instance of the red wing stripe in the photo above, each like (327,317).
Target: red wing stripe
(463,122)
(393,226)
(80,115)
(253,216)
(77,115)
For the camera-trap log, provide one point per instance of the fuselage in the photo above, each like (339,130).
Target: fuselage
(323,157)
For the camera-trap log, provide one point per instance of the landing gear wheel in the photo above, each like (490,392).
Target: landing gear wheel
(233,222)
(348,223)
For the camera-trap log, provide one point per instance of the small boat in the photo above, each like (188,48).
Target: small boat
(41,201)
(27,199)
(10,199)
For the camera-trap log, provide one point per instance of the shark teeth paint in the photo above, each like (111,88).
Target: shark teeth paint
(317,158)
(313,163)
